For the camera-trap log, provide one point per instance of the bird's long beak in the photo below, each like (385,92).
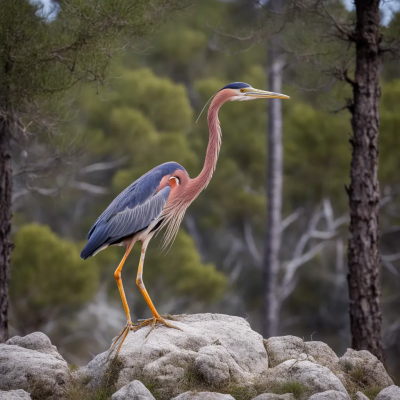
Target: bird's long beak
(262,94)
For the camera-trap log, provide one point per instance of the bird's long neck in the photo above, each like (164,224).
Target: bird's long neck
(214,142)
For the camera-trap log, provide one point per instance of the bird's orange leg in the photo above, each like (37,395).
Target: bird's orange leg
(157,319)
(118,278)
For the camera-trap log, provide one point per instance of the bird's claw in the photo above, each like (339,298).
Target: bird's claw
(136,326)
(153,321)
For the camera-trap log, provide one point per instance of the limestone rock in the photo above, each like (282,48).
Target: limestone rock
(322,354)
(33,367)
(365,367)
(285,348)
(273,396)
(133,391)
(360,396)
(203,396)
(390,393)
(15,395)
(36,341)
(330,395)
(218,349)
(313,377)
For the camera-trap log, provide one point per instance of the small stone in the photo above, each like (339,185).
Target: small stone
(133,391)
(15,395)
(360,396)
(203,396)
(390,393)
(273,396)
(330,395)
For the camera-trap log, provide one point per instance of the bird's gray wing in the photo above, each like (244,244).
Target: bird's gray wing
(125,223)
(133,220)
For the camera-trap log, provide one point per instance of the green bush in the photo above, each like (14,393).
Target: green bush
(47,277)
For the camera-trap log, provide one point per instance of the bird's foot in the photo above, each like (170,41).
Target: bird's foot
(153,321)
(121,336)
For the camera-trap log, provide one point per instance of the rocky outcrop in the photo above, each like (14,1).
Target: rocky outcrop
(15,395)
(133,391)
(31,363)
(213,357)
(212,350)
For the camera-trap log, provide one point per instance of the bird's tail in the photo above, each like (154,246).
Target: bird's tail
(95,244)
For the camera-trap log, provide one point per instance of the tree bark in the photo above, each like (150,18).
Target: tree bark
(363,253)
(6,245)
(274,185)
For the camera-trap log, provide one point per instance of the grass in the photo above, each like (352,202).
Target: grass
(356,380)
(78,390)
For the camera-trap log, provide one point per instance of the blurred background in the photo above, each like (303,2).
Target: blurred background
(144,116)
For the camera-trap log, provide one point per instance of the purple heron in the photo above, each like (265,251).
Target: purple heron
(157,200)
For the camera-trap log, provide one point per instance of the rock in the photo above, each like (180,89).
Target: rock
(323,354)
(212,348)
(285,348)
(308,376)
(33,367)
(133,391)
(216,366)
(273,396)
(364,367)
(203,396)
(15,395)
(390,393)
(330,395)
(36,341)
(360,396)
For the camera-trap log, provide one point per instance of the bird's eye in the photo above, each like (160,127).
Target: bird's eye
(177,180)
(243,90)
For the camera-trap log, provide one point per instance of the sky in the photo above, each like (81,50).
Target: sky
(387,8)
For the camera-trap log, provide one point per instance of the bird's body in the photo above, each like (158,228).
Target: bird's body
(159,200)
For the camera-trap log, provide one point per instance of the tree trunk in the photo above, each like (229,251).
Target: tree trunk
(274,184)
(363,253)
(6,245)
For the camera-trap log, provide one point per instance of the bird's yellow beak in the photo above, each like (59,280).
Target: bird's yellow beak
(262,94)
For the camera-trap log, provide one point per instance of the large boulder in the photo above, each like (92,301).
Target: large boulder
(285,348)
(211,350)
(203,396)
(302,376)
(330,395)
(390,393)
(31,363)
(15,395)
(133,391)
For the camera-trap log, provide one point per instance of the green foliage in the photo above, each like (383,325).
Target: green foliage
(294,387)
(43,57)
(48,276)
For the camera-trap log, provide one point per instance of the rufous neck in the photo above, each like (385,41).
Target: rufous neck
(214,141)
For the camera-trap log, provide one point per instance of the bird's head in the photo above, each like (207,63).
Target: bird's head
(240,91)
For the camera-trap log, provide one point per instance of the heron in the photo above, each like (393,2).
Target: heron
(158,200)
